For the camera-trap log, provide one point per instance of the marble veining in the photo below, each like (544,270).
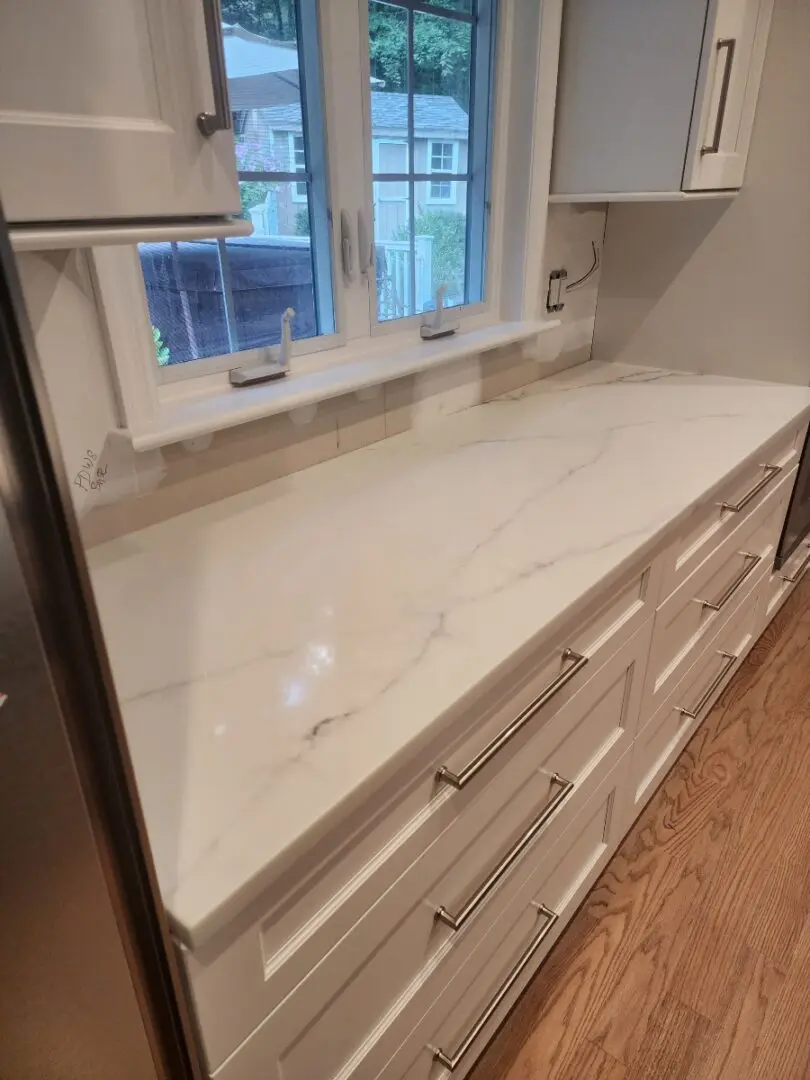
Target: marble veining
(273,650)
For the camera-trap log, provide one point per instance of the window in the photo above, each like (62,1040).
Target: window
(365,137)
(442,160)
(298,163)
(213,298)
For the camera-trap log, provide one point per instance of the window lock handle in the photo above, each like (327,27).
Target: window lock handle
(347,247)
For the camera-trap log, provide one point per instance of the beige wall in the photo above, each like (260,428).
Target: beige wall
(140,489)
(724,286)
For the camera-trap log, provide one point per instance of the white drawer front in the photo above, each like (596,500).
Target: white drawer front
(710,524)
(236,986)
(460,1024)
(404,1041)
(399,949)
(699,606)
(662,739)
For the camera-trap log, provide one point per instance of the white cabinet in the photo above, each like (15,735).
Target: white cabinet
(98,112)
(656,99)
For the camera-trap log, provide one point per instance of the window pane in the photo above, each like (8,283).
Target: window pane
(409,270)
(442,54)
(212,298)
(388,51)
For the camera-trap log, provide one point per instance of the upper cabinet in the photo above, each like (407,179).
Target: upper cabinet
(99,107)
(656,98)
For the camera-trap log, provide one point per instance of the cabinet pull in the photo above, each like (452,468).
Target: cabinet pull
(455,922)
(452,1061)
(791,579)
(771,471)
(751,563)
(705,697)
(220,118)
(730,45)
(472,768)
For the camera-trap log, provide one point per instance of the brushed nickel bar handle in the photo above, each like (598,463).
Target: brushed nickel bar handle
(695,712)
(791,579)
(452,1061)
(730,45)
(752,562)
(455,922)
(220,118)
(771,471)
(472,768)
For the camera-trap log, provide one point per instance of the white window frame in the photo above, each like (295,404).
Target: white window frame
(523,120)
(295,194)
(433,200)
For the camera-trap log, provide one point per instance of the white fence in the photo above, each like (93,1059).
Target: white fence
(394,283)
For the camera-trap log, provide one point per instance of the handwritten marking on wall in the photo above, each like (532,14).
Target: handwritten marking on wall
(90,476)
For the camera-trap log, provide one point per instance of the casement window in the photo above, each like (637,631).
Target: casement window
(371,140)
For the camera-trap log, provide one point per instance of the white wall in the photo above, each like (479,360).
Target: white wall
(724,287)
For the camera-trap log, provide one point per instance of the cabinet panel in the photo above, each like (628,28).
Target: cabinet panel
(731,71)
(397,949)
(98,113)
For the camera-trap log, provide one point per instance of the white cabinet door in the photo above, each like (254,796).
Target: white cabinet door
(730,74)
(98,112)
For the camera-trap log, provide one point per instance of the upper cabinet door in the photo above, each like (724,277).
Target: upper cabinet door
(728,84)
(99,102)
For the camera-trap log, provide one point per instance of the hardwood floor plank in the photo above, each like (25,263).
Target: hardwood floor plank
(782,1049)
(728,1047)
(588,1061)
(671,1044)
(697,931)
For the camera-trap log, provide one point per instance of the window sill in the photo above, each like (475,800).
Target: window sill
(199,414)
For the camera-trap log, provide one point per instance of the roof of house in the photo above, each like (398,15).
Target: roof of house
(389,111)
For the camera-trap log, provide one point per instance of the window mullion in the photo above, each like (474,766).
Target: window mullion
(345,59)
(411,167)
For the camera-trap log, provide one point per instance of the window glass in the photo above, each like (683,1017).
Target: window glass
(422,222)
(213,298)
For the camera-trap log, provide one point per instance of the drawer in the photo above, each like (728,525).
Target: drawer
(697,608)
(782,582)
(238,980)
(662,739)
(460,1024)
(402,1042)
(408,943)
(709,525)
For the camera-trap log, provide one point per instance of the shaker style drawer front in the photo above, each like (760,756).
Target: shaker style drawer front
(710,524)
(407,945)
(426,1019)
(663,738)
(452,1034)
(705,598)
(439,817)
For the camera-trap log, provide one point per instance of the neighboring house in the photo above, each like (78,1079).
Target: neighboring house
(263,83)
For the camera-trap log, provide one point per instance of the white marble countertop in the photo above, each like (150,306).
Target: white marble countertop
(272,651)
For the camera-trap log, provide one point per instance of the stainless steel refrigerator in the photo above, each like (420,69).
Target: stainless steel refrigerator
(88,987)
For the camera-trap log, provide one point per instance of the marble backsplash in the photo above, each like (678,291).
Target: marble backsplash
(142,489)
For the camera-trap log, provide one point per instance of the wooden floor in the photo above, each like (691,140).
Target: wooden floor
(690,959)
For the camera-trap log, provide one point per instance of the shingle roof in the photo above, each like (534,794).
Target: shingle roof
(431,112)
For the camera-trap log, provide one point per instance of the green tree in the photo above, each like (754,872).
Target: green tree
(302,222)
(162,351)
(441,52)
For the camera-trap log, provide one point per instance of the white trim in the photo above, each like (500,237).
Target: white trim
(430,199)
(58,237)
(645,196)
(181,418)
